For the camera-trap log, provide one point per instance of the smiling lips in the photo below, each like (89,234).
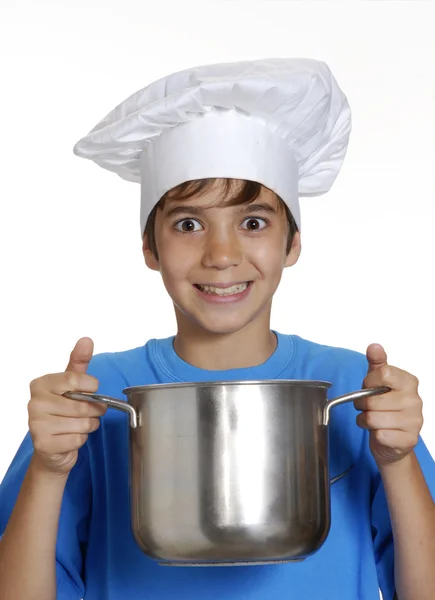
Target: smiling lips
(224,289)
(221,291)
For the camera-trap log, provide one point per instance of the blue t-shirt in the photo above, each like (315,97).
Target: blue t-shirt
(97,557)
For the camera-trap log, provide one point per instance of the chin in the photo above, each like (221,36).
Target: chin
(222,320)
(221,329)
(224,324)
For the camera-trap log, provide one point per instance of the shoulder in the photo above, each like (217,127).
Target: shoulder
(323,353)
(118,369)
(118,361)
(345,368)
(128,367)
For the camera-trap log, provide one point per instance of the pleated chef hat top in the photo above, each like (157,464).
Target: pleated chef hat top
(283,122)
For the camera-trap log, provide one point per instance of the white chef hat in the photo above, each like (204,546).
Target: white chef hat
(282,122)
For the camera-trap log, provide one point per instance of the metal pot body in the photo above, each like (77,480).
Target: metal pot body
(233,473)
(226,473)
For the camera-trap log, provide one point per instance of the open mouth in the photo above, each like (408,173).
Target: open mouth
(236,288)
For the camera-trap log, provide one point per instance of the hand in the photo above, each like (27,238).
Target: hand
(395,418)
(59,426)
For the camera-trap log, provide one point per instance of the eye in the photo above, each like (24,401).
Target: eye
(254,223)
(188,225)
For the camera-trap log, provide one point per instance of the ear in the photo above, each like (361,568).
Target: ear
(295,251)
(150,260)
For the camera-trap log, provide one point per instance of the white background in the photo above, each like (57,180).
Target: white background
(71,262)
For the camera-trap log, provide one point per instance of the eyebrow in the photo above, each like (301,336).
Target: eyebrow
(178,209)
(259,207)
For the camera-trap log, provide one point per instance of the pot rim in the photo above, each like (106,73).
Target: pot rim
(214,384)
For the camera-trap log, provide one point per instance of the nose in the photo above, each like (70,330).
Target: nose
(222,249)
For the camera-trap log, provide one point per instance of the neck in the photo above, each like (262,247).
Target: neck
(248,347)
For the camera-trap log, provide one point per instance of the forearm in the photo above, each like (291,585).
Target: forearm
(28,546)
(412,513)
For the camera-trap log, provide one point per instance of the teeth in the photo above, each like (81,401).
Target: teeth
(234,289)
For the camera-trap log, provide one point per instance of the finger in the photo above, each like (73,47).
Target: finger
(400,421)
(58,383)
(65,425)
(59,444)
(397,440)
(81,355)
(376,357)
(63,407)
(393,377)
(390,401)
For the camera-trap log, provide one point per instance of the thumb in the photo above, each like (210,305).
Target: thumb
(376,356)
(81,355)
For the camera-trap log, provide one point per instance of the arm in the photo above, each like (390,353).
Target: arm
(412,513)
(394,420)
(28,546)
(30,512)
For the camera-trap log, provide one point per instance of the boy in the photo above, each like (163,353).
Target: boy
(222,153)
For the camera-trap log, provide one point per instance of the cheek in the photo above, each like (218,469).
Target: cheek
(268,257)
(176,260)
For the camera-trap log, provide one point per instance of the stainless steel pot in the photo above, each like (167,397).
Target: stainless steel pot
(229,472)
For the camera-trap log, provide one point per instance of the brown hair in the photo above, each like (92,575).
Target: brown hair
(246,193)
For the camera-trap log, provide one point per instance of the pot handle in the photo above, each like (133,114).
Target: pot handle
(350,398)
(111,402)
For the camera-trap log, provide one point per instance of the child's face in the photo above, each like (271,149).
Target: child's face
(201,242)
